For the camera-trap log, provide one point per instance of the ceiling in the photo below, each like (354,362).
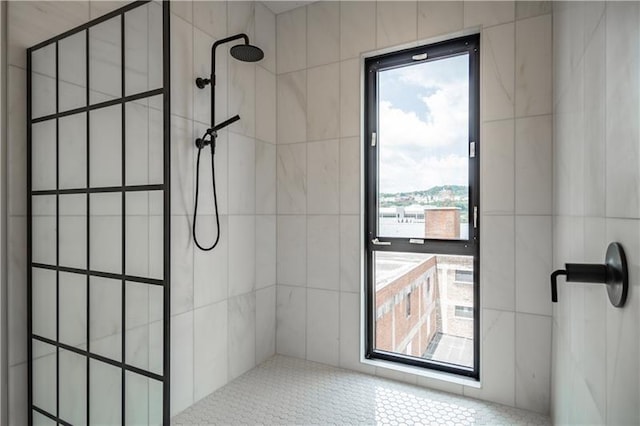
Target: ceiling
(283,6)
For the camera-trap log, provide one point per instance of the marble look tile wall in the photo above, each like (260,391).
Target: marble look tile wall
(318,182)
(223,301)
(596,363)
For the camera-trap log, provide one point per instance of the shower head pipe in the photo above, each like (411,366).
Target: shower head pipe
(202,82)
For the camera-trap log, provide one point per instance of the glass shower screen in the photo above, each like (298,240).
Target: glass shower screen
(98,206)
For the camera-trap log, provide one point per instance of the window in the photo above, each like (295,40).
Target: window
(464,311)
(465,277)
(421,204)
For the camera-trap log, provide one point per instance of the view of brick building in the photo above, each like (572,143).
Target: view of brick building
(424,302)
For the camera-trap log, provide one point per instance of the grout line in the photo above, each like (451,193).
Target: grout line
(340,119)
(515,200)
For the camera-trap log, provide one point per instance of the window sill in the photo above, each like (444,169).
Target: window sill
(423,372)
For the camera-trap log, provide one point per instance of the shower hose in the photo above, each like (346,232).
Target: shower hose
(215,197)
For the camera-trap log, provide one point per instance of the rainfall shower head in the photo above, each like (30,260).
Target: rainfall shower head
(247,53)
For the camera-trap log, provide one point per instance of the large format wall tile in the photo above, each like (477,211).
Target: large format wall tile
(291,32)
(498,64)
(488,13)
(533,362)
(395,23)
(210,349)
(292,245)
(533,264)
(292,187)
(292,107)
(497,263)
(265,251)
(266,37)
(291,321)
(265,323)
(441,17)
(323,252)
(323,102)
(497,185)
(623,107)
(533,66)
(242,261)
(323,33)
(323,313)
(242,334)
(322,177)
(534,164)
(357,35)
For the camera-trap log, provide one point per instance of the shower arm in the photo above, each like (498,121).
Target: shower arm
(202,82)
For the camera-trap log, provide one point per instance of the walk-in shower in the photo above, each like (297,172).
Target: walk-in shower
(98,182)
(242,52)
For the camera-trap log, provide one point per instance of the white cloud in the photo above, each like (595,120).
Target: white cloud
(419,153)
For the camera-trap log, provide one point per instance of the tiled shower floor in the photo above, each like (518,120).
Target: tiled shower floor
(286,390)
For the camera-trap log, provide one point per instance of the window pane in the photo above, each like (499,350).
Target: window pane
(421,309)
(423,187)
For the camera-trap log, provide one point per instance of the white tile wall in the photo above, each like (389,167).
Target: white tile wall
(291,39)
(319,100)
(323,176)
(436,18)
(242,334)
(323,252)
(323,33)
(323,113)
(323,322)
(292,107)
(497,168)
(210,348)
(498,72)
(357,35)
(291,320)
(292,248)
(595,345)
(534,165)
(265,323)
(396,23)
(291,192)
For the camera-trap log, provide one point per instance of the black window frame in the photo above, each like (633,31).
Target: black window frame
(372,66)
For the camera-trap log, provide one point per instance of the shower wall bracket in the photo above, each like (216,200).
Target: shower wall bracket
(613,273)
(202,82)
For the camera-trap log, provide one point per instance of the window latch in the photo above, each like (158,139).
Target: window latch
(475,216)
(472,150)
(373,139)
(377,242)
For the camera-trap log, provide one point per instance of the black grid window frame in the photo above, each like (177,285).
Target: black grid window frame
(123,189)
(372,66)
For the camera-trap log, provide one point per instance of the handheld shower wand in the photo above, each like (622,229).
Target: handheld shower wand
(242,52)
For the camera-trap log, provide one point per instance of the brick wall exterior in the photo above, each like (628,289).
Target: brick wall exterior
(394,327)
(442,223)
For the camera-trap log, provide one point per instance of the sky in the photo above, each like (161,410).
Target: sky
(423,125)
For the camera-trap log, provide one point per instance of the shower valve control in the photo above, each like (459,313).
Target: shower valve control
(613,273)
